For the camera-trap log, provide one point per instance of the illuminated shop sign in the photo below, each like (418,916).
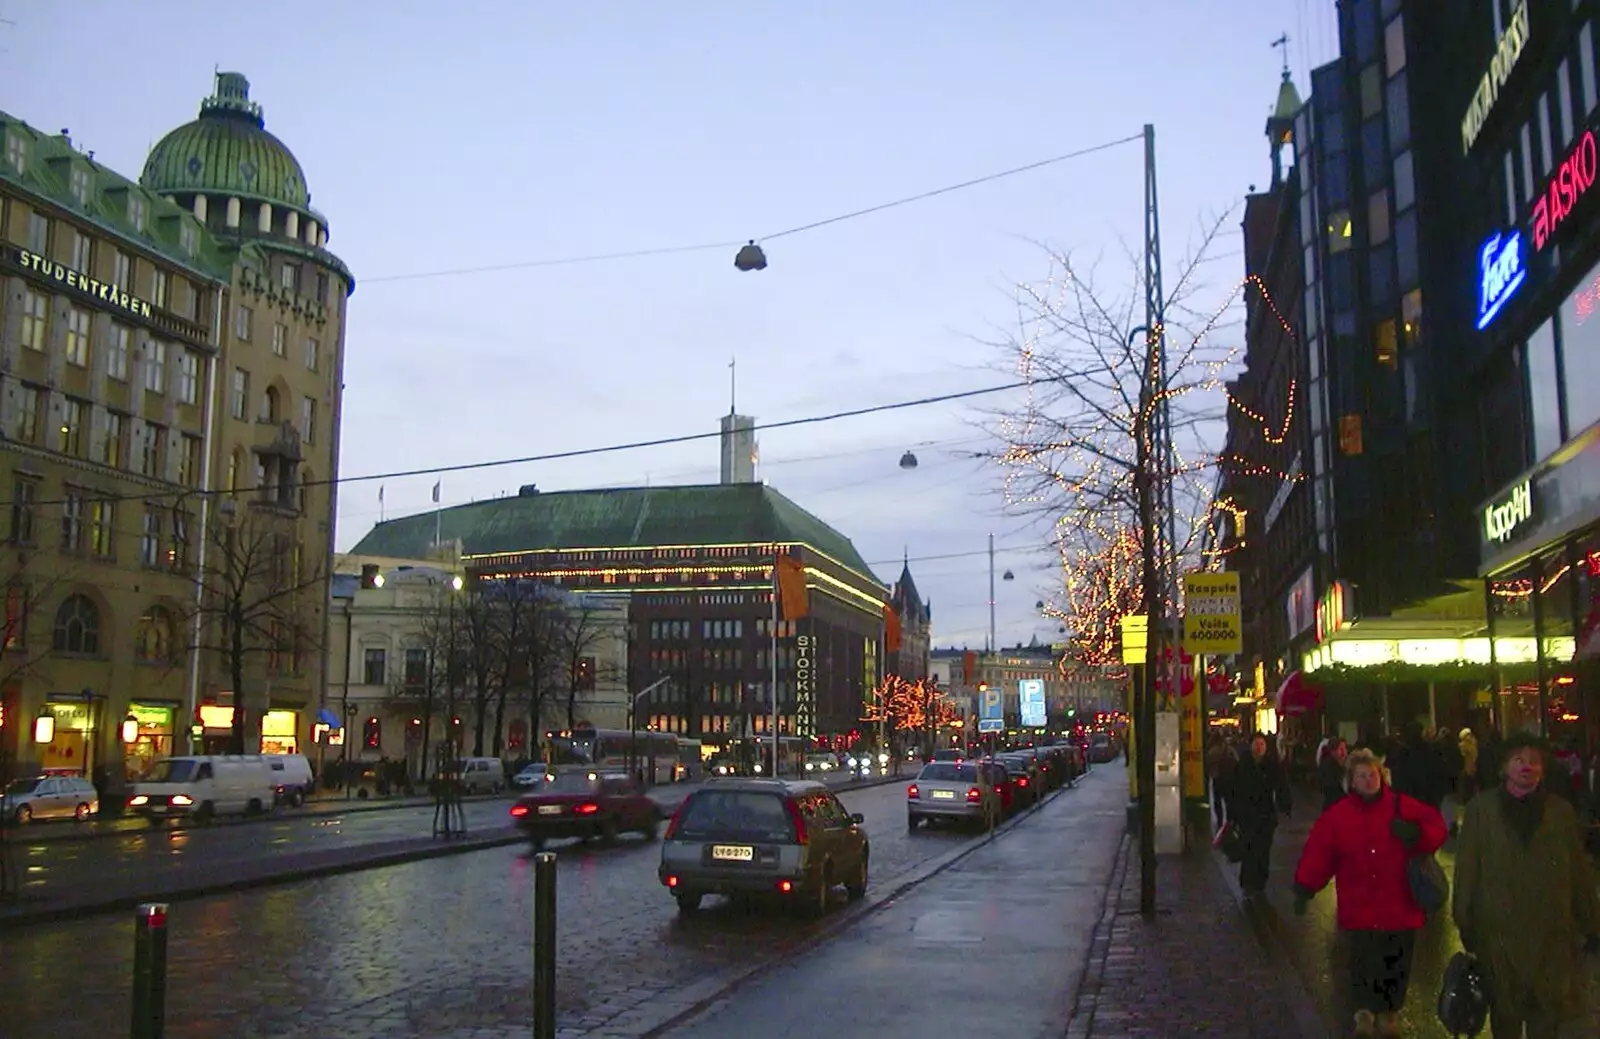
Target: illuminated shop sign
(1503,516)
(805,686)
(103,291)
(1507,52)
(1500,274)
(1568,184)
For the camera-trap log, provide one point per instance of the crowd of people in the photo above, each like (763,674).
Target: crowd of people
(1523,898)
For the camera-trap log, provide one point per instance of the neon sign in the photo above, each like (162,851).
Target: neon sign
(1507,52)
(1570,182)
(1500,274)
(1502,518)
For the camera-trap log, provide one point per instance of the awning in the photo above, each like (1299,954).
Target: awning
(328,718)
(1297,695)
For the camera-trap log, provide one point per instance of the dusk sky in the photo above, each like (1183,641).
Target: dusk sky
(442,137)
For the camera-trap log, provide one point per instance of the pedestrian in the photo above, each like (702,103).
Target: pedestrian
(1467,786)
(1363,842)
(1331,772)
(1220,764)
(1259,793)
(1415,768)
(1525,901)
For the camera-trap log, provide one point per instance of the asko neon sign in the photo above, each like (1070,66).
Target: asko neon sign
(1570,182)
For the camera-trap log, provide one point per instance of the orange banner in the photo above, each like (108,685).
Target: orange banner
(792,594)
(891,629)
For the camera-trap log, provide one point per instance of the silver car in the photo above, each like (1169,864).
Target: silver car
(49,797)
(789,838)
(959,791)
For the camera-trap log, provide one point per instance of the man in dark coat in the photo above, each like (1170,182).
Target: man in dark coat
(1258,793)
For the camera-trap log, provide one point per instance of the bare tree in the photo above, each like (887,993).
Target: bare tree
(421,693)
(256,601)
(581,636)
(25,638)
(534,631)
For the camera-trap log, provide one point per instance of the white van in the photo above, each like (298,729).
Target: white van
(292,778)
(204,786)
(482,775)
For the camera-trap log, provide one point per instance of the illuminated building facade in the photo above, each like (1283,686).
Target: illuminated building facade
(696,565)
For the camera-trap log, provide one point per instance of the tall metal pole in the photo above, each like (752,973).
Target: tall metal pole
(994,644)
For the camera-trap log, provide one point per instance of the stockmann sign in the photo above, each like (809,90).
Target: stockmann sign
(1501,518)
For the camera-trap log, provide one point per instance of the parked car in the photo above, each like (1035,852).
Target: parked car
(792,839)
(48,797)
(205,786)
(821,763)
(586,805)
(954,791)
(532,776)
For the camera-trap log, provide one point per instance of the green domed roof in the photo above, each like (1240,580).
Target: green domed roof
(227,151)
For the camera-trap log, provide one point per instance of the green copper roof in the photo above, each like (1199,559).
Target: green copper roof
(49,166)
(227,151)
(714,514)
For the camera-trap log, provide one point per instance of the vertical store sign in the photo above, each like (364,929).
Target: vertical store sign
(805,687)
(1507,52)
(1500,274)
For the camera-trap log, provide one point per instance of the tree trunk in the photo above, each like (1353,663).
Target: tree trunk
(500,720)
(236,672)
(572,706)
(427,737)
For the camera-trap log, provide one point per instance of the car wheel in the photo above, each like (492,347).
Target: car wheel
(911,824)
(608,830)
(688,901)
(81,812)
(651,830)
(819,903)
(24,813)
(297,798)
(858,889)
(205,813)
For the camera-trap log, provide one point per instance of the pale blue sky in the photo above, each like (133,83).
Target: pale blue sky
(441,136)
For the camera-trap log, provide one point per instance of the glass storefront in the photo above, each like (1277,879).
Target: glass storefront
(278,729)
(1550,601)
(72,748)
(155,737)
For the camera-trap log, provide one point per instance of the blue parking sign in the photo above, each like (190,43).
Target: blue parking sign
(1030,693)
(991,710)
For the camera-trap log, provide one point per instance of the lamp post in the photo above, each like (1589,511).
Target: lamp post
(350,712)
(633,729)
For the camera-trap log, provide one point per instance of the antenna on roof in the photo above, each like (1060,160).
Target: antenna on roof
(733,386)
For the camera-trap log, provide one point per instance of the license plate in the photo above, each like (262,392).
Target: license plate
(732,852)
(944,795)
(549,809)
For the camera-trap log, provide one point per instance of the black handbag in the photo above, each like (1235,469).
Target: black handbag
(1464,996)
(1229,841)
(1430,888)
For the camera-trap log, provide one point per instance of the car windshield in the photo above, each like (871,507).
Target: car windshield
(170,770)
(735,814)
(949,772)
(22,786)
(573,783)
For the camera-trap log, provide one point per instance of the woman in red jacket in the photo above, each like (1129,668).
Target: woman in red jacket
(1363,842)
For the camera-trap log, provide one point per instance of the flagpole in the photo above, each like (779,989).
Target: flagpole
(774,690)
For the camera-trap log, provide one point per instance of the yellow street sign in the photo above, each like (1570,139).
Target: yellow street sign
(1211,613)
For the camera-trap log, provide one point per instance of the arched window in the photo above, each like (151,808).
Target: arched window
(155,641)
(269,404)
(77,626)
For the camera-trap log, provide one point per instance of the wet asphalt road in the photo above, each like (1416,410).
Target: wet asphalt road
(424,949)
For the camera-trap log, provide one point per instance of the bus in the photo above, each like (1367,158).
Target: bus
(691,762)
(655,754)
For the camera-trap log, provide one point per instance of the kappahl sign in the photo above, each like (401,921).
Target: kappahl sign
(1502,518)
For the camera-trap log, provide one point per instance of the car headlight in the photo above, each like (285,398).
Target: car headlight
(182,799)
(810,766)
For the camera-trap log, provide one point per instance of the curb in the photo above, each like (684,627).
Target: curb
(702,996)
(1080,1019)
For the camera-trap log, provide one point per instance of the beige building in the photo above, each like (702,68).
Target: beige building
(162,341)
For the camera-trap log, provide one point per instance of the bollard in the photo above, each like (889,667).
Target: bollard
(149,971)
(544,946)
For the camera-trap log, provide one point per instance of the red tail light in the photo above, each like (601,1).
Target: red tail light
(975,794)
(800,835)
(587,808)
(677,817)
(1023,781)
(912,792)
(518,811)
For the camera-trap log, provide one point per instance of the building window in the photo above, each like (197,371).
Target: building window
(1564,102)
(239,404)
(35,319)
(117,353)
(1378,217)
(160,287)
(289,277)
(155,641)
(150,449)
(1527,162)
(313,348)
(1371,91)
(1586,83)
(189,463)
(1339,231)
(374,667)
(73,412)
(78,337)
(188,238)
(155,366)
(280,336)
(17,152)
(111,449)
(416,667)
(72,520)
(322,287)
(77,627)
(308,421)
(1394,46)
(24,499)
(1544,392)
(188,377)
(1545,159)
(30,402)
(178,554)
(82,252)
(1385,344)
(241,323)
(150,537)
(38,234)
(102,528)
(79,185)
(1399,106)
(121,271)
(1580,353)
(1411,316)
(269,405)
(136,212)
(1405,183)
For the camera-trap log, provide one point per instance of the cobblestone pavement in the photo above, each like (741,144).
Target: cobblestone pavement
(431,949)
(1197,968)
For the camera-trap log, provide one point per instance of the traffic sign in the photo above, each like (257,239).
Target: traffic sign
(1030,691)
(1211,613)
(991,710)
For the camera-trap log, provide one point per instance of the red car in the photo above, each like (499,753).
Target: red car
(586,805)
